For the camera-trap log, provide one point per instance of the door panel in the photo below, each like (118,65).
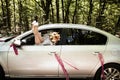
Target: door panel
(83,58)
(80,51)
(34,60)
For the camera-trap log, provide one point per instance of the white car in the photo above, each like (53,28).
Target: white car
(81,52)
(5,39)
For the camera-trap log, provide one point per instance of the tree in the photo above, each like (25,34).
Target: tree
(90,12)
(46,7)
(3,14)
(117,25)
(62,10)
(75,12)
(103,14)
(57,11)
(8,14)
(66,20)
(100,17)
(14,15)
(52,14)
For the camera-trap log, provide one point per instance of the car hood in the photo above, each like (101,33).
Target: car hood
(2,43)
(3,40)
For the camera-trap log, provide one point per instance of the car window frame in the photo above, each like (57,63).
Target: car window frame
(62,33)
(91,31)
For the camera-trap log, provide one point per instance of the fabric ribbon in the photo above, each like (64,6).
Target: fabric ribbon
(62,65)
(60,61)
(14,48)
(102,64)
(70,65)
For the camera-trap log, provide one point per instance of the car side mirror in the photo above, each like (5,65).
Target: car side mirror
(17,42)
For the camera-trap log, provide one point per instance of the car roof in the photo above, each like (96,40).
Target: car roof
(63,25)
(70,25)
(67,25)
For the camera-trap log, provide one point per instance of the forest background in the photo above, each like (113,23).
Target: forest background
(16,15)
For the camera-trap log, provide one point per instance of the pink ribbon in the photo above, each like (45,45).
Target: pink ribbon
(70,65)
(102,64)
(62,66)
(14,48)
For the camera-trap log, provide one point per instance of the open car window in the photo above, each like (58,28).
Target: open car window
(30,39)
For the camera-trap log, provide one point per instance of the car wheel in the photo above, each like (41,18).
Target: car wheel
(2,75)
(111,72)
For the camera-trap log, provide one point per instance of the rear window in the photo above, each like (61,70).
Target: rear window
(84,37)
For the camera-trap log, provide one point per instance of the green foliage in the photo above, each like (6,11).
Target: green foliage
(104,14)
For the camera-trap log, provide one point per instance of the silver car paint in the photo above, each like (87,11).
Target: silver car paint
(30,58)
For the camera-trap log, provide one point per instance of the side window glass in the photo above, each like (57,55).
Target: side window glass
(84,37)
(93,38)
(75,37)
(28,40)
(51,37)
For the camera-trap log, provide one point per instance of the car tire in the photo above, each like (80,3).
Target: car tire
(111,72)
(2,74)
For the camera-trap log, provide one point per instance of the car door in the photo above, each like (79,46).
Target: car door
(33,60)
(79,52)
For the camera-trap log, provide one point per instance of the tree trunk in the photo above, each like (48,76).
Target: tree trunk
(117,26)
(57,11)
(46,8)
(20,15)
(3,14)
(8,14)
(52,15)
(90,12)
(66,20)
(14,21)
(75,12)
(99,19)
(62,9)
(26,22)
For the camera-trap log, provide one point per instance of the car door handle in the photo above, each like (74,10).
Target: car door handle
(95,53)
(50,53)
